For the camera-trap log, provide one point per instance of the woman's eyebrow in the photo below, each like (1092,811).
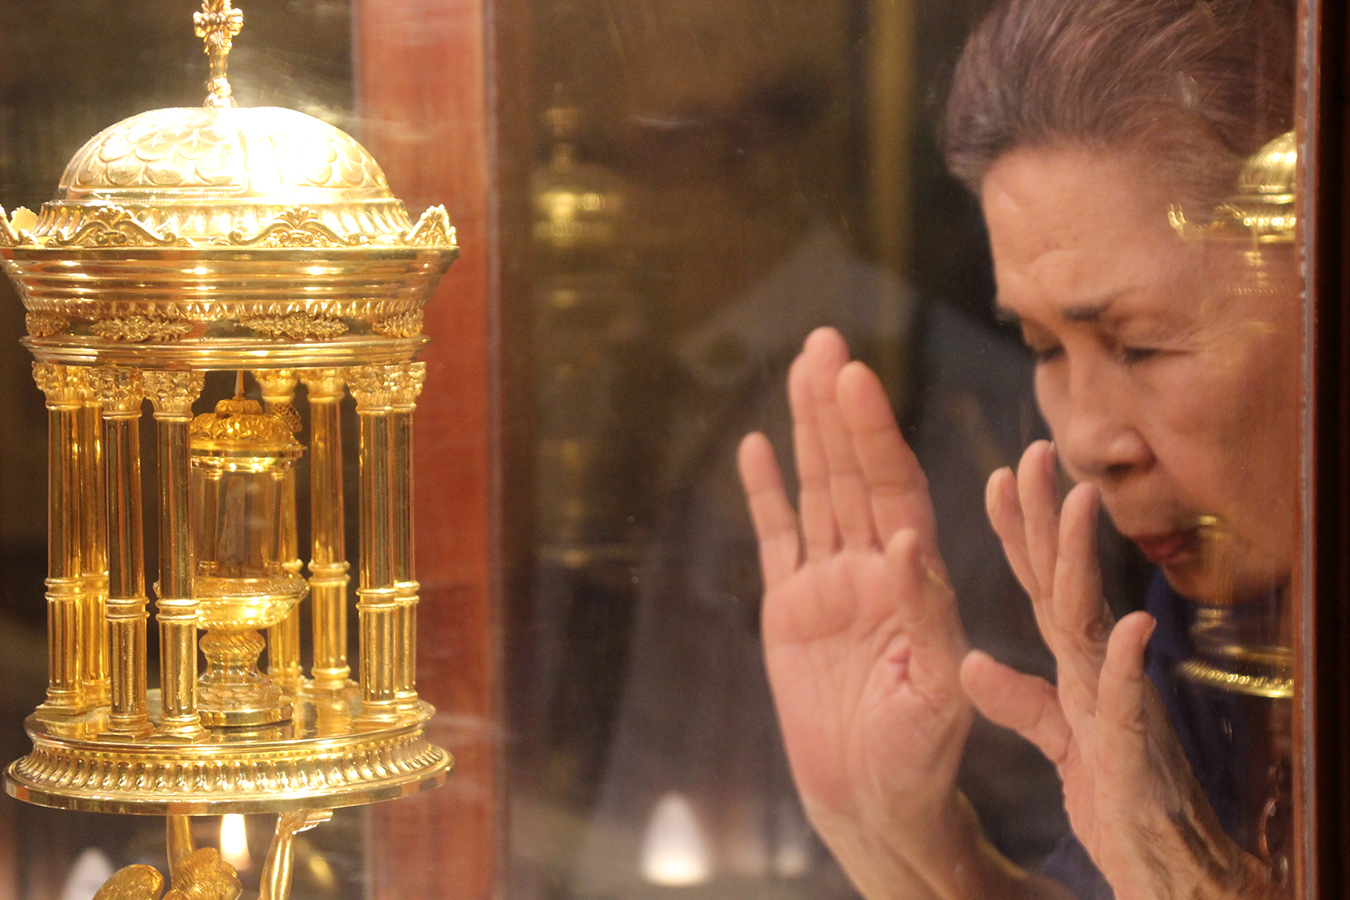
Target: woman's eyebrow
(1088,312)
(1093,312)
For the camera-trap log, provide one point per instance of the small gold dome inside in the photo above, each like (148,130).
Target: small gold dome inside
(1269,174)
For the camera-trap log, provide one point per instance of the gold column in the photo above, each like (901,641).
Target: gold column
(93,638)
(172,394)
(65,389)
(283,639)
(408,385)
(328,562)
(377,596)
(120,393)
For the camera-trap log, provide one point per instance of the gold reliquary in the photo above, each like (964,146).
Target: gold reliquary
(257,254)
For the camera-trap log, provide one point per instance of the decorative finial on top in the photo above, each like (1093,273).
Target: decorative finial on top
(217,24)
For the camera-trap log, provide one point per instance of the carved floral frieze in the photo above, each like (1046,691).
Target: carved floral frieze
(113,226)
(142,329)
(295,326)
(298,227)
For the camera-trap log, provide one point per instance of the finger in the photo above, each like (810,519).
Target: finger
(925,601)
(1024,703)
(772,513)
(1005,514)
(1080,619)
(1122,703)
(897,486)
(1036,491)
(827,355)
(820,533)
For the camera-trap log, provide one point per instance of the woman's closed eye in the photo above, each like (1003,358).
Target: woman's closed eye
(1135,355)
(1046,353)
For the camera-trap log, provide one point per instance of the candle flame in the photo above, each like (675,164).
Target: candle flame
(234,842)
(675,851)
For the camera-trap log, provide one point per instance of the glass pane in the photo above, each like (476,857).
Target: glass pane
(712,182)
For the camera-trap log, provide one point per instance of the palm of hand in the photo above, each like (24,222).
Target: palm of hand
(1129,791)
(861,633)
(852,686)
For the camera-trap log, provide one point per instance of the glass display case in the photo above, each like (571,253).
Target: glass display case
(657,202)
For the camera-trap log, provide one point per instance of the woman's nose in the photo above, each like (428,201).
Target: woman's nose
(1096,428)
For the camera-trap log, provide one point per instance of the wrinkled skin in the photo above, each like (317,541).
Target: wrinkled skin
(871,673)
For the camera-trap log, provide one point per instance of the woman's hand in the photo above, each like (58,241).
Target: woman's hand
(863,640)
(1130,794)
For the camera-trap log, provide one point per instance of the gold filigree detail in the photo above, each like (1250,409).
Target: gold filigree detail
(15,229)
(433,230)
(373,387)
(64,386)
(278,385)
(136,882)
(217,24)
(118,389)
(239,420)
(296,327)
(173,394)
(324,384)
(142,329)
(407,385)
(359,765)
(1254,684)
(278,390)
(114,226)
(290,415)
(41,324)
(403,325)
(299,226)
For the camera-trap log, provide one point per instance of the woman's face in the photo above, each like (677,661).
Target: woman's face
(1166,369)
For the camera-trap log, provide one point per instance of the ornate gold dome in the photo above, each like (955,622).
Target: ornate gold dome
(220,237)
(204,235)
(219,175)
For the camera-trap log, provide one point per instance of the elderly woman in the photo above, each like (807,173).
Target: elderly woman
(1167,375)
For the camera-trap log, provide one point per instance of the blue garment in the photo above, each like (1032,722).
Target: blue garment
(1214,729)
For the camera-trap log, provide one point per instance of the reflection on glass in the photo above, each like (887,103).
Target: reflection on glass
(675,849)
(1105,145)
(735,138)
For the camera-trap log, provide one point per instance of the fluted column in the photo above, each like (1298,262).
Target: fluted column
(120,394)
(93,638)
(408,385)
(65,389)
(377,596)
(328,561)
(172,394)
(283,638)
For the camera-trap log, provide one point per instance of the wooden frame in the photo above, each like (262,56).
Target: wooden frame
(1328,835)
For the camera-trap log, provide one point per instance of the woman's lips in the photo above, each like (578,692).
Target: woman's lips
(1163,548)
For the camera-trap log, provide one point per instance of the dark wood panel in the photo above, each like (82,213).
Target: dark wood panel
(421,80)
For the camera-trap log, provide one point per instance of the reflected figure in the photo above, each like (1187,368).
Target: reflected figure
(726,147)
(1167,369)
